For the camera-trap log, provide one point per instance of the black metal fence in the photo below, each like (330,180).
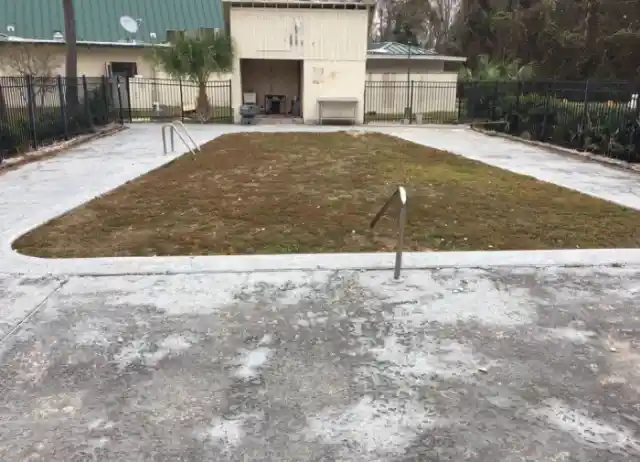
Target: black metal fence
(414,101)
(601,117)
(167,99)
(36,111)
(598,117)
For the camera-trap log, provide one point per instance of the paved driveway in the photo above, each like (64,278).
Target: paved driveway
(475,364)
(198,360)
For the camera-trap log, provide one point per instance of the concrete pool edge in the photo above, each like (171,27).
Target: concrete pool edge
(127,164)
(33,266)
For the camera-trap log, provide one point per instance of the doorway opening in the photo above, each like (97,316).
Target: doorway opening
(275,87)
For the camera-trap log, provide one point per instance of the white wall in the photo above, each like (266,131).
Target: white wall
(331,42)
(327,79)
(432,90)
(420,69)
(299,33)
(92,60)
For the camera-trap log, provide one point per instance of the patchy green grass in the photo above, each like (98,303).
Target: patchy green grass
(317,192)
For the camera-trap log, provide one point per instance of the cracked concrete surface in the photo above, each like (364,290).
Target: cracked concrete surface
(453,364)
(209,358)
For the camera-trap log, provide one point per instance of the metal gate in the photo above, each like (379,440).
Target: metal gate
(149,100)
(411,101)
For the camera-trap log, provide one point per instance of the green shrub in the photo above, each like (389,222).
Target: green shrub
(612,130)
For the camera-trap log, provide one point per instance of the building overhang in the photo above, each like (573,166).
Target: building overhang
(332,4)
(123,44)
(434,57)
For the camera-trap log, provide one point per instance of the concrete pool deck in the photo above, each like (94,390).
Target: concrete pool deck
(483,356)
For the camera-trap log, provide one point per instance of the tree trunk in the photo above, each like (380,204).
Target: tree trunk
(71,60)
(591,26)
(203,108)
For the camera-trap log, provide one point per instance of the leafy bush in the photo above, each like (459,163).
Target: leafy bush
(599,127)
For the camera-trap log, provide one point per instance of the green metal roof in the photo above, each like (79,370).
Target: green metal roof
(99,20)
(397,49)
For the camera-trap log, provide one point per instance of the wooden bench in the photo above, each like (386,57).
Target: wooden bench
(338,110)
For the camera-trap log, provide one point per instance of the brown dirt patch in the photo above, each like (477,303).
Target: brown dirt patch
(317,192)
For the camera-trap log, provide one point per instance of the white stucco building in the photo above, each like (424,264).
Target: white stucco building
(316,53)
(319,51)
(314,50)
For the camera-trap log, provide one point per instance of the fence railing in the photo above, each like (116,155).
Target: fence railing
(411,101)
(599,117)
(36,111)
(170,99)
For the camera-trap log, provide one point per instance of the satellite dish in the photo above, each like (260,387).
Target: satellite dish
(129,24)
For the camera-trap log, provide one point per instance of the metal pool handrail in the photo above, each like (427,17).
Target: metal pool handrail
(400,194)
(173,128)
(178,123)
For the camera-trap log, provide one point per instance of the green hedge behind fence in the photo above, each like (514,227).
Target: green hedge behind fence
(26,124)
(599,119)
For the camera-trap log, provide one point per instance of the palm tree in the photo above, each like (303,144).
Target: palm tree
(487,69)
(197,57)
(71,61)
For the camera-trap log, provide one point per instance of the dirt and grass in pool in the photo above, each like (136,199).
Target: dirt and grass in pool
(250,193)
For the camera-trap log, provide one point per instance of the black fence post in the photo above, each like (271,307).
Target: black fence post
(582,128)
(548,107)
(364,103)
(181,101)
(411,113)
(120,113)
(518,95)
(634,154)
(129,99)
(460,95)
(87,109)
(514,122)
(3,105)
(31,111)
(63,108)
(475,89)
(233,111)
(105,97)
(545,109)
(585,112)
(495,100)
